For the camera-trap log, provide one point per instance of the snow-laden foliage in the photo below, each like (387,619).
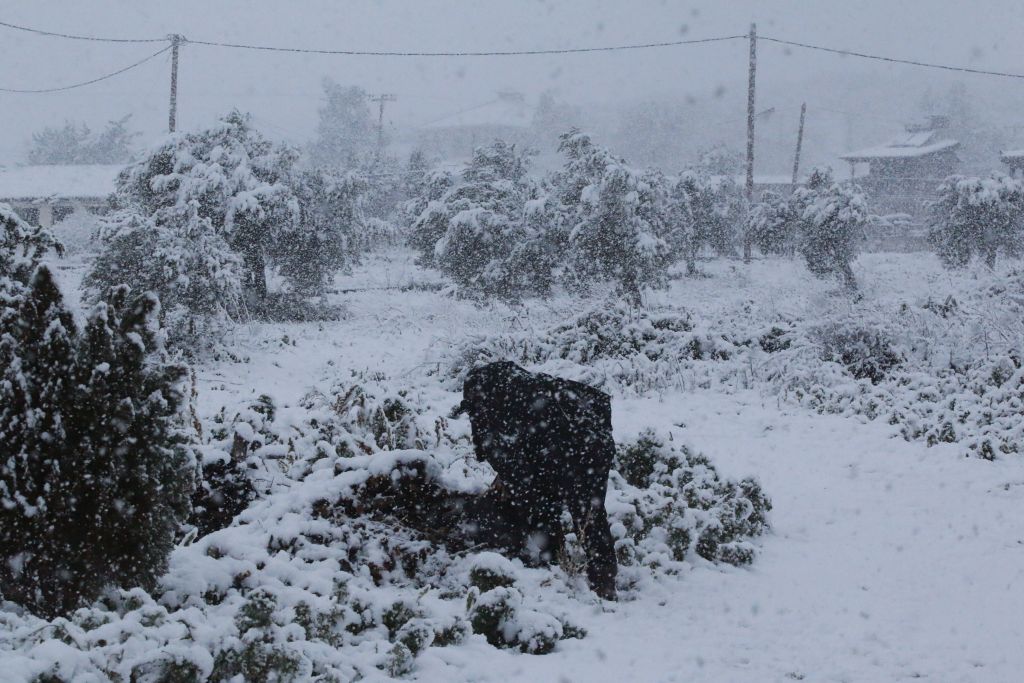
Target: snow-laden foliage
(22,246)
(624,348)
(703,213)
(325,238)
(229,176)
(345,135)
(203,216)
(181,257)
(978,216)
(670,504)
(612,216)
(772,224)
(97,464)
(348,565)
(937,371)
(832,220)
(482,231)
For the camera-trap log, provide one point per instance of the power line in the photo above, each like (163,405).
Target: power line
(72,36)
(491,53)
(929,65)
(90,81)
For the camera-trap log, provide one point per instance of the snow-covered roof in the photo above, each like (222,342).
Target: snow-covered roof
(910,145)
(510,110)
(1012,154)
(89,181)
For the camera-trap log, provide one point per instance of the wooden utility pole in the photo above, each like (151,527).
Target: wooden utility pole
(381,99)
(799,143)
(172,119)
(751,74)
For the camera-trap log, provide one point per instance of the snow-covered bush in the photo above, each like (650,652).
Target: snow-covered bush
(479,232)
(628,349)
(327,235)
(772,224)
(865,353)
(98,463)
(183,259)
(703,213)
(980,216)
(832,220)
(668,504)
(613,218)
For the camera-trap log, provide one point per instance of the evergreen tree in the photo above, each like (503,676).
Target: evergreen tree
(980,216)
(98,465)
(832,220)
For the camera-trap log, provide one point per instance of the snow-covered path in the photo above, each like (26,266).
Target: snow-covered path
(888,561)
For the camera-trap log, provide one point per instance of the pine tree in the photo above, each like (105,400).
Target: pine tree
(98,466)
(980,216)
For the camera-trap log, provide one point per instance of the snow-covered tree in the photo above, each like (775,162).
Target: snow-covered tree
(200,217)
(75,144)
(22,245)
(612,216)
(978,216)
(772,224)
(703,213)
(345,134)
(324,239)
(426,214)
(97,466)
(832,221)
(481,233)
(182,258)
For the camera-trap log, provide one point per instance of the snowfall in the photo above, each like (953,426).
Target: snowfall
(887,558)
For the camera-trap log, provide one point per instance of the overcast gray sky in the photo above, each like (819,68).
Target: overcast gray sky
(282,89)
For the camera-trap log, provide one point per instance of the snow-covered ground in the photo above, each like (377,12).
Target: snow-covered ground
(887,560)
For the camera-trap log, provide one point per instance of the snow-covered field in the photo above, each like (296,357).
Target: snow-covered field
(887,559)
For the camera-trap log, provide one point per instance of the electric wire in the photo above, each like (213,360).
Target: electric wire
(90,81)
(71,36)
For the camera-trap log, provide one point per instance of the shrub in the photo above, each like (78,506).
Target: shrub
(100,461)
(669,498)
(865,353)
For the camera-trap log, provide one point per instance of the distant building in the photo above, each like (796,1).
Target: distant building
(44,195)
(509,117)
(900,175)
(1014,159)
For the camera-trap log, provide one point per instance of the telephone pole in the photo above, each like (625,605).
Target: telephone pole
(751,74)
(172,119)
(799,143)
(380,100)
